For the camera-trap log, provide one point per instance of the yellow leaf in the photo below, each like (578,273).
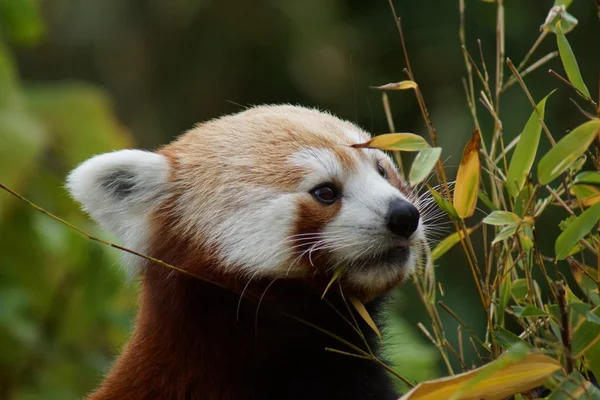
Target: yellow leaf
(467,179)
(397,86)
(336,275)
(449,242)
(360,308)
(516,376)
(395,141)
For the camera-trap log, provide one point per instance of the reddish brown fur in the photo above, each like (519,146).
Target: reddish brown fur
(188,341)
(187,332)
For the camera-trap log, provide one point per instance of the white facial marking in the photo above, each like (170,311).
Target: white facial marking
(321,165)
(249,224)
(253,236)
(119,190)
(355,137)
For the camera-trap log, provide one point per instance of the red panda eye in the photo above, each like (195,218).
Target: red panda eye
(381,170)
(326,194)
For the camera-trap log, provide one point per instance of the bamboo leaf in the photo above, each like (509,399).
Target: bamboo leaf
(403,85)
(575,387)
(567,150)
(467,178)
(519,289)
(364,314)
(585,335)
(503,298)
(446,244)
(569,61)
(524,155)
(588,177)
(507,339)
(512,373)
(592,358)
(529,311)
(586,187)
(505,233)
(336,275)
(501,218)
(443,203)
(395,141)
(423,164)
(576,230)
(485,199)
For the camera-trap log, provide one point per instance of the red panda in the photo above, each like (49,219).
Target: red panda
(268,203)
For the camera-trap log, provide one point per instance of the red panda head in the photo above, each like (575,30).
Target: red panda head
(274,191)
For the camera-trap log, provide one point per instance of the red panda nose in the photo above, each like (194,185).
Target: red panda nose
(403,218)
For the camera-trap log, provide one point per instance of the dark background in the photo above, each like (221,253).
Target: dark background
(105,74)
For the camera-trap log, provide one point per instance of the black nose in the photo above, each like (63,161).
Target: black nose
(403,218)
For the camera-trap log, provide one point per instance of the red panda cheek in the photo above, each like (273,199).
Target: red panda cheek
(312,217)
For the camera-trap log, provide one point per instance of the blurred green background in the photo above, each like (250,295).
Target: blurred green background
(79,78)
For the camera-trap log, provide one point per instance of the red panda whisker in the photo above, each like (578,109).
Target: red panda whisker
(258,309)
(237,312)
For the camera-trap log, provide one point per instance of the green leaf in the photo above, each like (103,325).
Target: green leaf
(505,233)
(591,317)
(519,289)
(585,335)
(446,244)
(587,284)
(503,298)
(501,218)
(592,358)
(586,187)
(529,311)
(506,339)
(485,199)
(576,230)
(588,177)
(522,201)
(569,61)
(567,150)
(575,387)
(526,237)
(423,164)
(524,155)
(580,308)
(443,204)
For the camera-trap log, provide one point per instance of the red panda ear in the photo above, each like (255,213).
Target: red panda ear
(119,189)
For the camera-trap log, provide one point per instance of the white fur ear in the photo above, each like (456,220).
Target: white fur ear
(119,190)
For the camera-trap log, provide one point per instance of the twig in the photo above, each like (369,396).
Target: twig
(564,326)
(512,80)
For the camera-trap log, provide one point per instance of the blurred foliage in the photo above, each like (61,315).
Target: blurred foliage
(65,307)
(64,310)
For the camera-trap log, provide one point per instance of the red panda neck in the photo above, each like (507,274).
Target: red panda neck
(182,342)
(192,342)
(195,340)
